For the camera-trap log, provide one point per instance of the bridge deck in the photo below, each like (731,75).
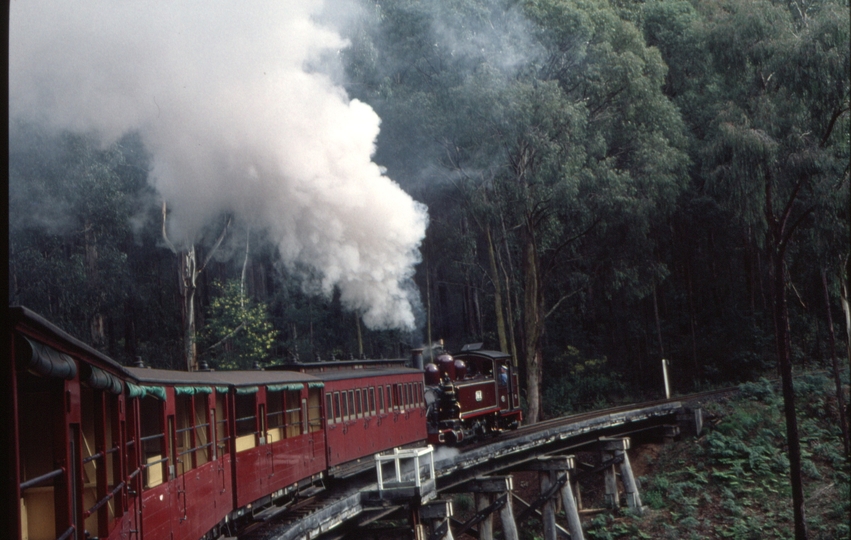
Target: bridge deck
(456,466)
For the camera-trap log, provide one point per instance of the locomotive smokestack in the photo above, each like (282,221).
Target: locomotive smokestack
(417,358)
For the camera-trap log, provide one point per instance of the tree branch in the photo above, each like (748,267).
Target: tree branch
(834,117)
(221,341)
(215,247)
(787,210)
(788,234)
(165,234)
(562,299)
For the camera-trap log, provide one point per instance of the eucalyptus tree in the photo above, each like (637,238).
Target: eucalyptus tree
(549,120)
(72,200)
(238,330)
(189,269)
(773,151)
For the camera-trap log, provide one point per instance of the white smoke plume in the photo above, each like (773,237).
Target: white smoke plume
(236,123)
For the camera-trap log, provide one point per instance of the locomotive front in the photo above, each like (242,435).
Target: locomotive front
(471,395)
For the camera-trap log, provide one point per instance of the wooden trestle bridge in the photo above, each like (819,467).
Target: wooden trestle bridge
(421,501)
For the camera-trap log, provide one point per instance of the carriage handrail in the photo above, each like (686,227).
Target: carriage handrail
(67,534)
(196,448)
(39,479)
(103,501)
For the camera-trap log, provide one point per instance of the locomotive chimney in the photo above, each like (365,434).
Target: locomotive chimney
(417,358)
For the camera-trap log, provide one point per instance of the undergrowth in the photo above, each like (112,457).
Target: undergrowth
(733,482)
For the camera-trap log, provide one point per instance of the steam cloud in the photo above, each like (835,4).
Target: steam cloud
(236,123)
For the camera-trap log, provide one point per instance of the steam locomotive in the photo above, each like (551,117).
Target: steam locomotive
(102,450)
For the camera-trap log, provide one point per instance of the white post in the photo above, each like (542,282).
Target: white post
(665,373)
(378,471)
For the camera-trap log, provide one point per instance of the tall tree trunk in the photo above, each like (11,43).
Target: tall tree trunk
(512,336)
(188,276)
(497,293)
(846,305)
(658,323)
(188,273)
(96,321)
(533,326)
(692,315)
(360,335)
(428,301)
(130,328)
(837,378)
(781,323)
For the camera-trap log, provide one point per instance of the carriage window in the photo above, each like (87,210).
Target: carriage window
(345,407)
(153,441)
(274,416)
(390,406)
(245,422)
(202,430)
(130,455)
(337,410)
(314,410)
(183,433)
(221,423)
(329,408)
(351,403)
(380,400)
(99,455)
(358,403)
(420,393)
(372,400)
(292,400)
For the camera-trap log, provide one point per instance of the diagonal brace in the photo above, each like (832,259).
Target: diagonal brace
(480,516)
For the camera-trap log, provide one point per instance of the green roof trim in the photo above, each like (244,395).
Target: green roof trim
(155,391)
(134,391)
(316,385)
(247,389)
(192,390)
(288,387)
(222,389)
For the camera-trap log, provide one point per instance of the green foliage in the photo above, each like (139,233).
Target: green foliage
(239,331)
(606,527)
(732,482)
(575,383)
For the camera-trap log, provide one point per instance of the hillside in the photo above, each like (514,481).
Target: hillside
(732,481)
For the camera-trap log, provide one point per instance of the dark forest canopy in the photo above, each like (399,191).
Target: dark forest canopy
(604,183)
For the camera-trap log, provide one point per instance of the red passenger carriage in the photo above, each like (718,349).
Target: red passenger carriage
(371,405)
(106,451)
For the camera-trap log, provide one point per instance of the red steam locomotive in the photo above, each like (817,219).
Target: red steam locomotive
(101,450)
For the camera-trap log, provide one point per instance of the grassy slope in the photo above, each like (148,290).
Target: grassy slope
(733,481)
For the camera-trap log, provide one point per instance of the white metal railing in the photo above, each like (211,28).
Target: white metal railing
(421,472)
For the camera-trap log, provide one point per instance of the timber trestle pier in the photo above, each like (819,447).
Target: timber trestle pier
(409,492)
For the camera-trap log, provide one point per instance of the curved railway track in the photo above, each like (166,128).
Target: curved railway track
(322,517)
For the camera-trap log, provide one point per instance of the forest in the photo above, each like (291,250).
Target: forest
(609,183)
